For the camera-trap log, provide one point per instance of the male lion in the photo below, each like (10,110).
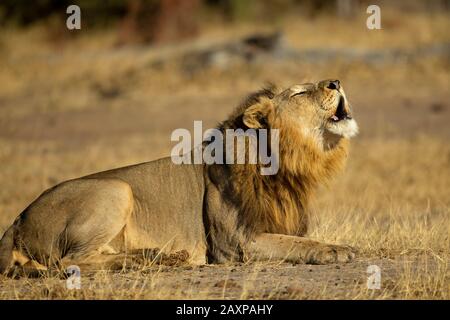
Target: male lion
(214,213)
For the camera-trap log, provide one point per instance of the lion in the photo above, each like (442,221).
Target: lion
(210,213)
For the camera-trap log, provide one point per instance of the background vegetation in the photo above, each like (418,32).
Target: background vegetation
(110,94)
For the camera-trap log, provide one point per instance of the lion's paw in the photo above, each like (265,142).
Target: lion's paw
(327,254)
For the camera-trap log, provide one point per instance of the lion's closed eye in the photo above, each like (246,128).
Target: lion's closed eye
(298,93)
(300,90)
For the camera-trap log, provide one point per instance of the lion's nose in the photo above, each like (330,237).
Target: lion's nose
(334,85)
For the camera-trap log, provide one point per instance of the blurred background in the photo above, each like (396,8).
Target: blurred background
(77,101)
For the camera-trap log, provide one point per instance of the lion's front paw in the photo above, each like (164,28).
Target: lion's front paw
(326,254)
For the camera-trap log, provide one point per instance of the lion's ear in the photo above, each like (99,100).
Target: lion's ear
(258,115)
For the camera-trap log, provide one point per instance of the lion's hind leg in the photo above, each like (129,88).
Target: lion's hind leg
(74,220)
(96,235)
(24,266)
(97,261)
(135,259)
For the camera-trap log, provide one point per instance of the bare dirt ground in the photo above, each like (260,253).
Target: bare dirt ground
(240,281)
(85,109)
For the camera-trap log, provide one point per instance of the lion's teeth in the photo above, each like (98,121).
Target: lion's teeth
(334,118)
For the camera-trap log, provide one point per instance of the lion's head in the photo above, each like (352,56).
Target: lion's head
(320,108)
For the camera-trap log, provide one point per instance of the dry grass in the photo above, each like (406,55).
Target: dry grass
(392,202)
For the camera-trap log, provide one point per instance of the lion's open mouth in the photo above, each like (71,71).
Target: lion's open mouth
(342,123)
(341,113)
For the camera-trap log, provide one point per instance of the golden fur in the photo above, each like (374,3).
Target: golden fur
(278,203)
(210,213)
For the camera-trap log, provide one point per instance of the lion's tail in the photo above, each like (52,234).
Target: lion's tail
(6,249)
